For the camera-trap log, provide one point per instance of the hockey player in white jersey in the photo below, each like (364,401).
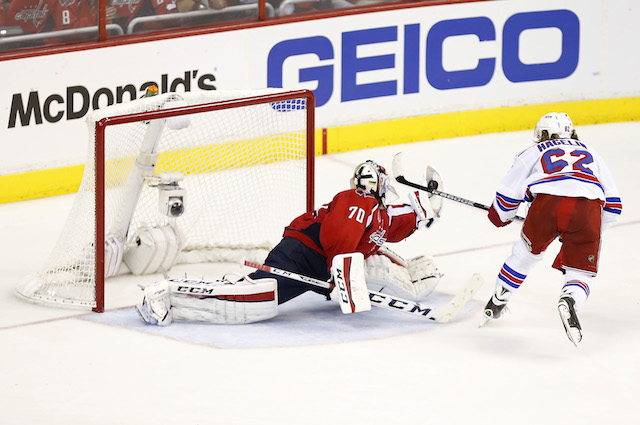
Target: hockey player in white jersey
(574,197)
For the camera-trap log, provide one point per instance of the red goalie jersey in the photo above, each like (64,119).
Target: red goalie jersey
(352,222)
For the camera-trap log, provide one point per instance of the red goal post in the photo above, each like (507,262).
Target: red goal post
(236,158)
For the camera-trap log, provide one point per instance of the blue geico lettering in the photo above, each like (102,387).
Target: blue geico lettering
(480,75)
(351,65)
(566,21)
(321,47)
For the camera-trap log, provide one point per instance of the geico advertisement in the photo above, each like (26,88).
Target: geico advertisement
(361,68)
(444,58)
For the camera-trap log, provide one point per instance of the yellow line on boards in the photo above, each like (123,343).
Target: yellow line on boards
(57,181)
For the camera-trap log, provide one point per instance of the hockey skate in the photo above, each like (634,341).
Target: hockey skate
(156,304)
(567,310)
(496,305)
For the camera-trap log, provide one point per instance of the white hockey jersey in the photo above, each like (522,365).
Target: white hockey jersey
(562,167)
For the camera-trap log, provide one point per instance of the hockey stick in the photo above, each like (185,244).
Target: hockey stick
(432,187)
(442,314)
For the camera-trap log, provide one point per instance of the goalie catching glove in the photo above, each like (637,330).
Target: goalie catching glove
(434,182)
(427,210)
(221,302)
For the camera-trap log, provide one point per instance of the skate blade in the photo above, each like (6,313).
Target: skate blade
(574,334)
(144,315)
(487,315)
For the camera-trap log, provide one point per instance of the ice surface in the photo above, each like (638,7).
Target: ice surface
(314,365)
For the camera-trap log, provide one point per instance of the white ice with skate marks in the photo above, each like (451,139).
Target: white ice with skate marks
(308,319)
(520,369)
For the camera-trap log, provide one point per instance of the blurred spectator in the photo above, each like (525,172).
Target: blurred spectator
(31,15)
(2,13)
(226,11)
(122,12)
(301,6)
(190,5)
(71,14)
(68,14)
(295,7)
(39,16)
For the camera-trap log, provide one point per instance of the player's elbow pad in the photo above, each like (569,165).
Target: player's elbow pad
(495,218)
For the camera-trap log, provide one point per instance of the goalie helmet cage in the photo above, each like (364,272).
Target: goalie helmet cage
(243,158)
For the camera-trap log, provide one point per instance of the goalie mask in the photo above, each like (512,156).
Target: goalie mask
(373,179)
(552,123)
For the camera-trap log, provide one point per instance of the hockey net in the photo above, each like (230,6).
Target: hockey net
(245,165)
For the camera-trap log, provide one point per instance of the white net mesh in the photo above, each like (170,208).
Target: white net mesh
(245,174)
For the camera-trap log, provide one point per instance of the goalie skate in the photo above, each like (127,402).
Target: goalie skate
(156,306)
(567,310)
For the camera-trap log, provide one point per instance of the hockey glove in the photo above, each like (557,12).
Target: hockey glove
(495,218)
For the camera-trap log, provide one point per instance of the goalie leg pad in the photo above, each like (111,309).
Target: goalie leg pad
(153,249)
(424,274)
(348,276)
(386,274)
(412,280)
(223,301)
(113,249)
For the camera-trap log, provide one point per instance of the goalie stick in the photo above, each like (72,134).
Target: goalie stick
(442,314)
(432,187)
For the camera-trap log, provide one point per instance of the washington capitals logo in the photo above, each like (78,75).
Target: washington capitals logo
(37,14)
(377,237)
